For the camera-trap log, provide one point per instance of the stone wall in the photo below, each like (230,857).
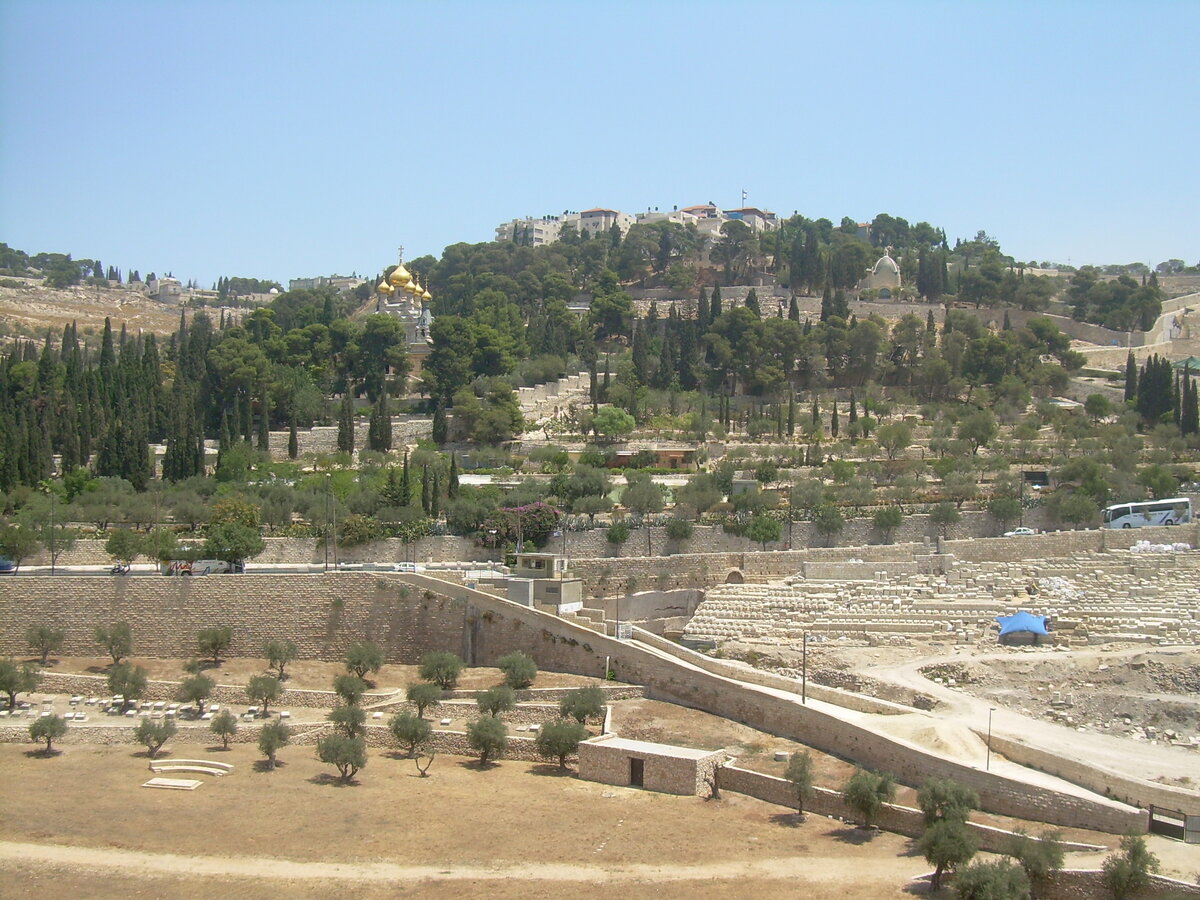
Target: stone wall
(411,614)
(1088,884)
(825,802)
(323,614)
(1128,789)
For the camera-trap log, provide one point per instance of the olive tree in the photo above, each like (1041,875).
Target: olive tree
(154,733)
(116,639)
(48,729)
(44,640)
(558,740)
(196,689)
(1128,871)
(273,737)
(263,689)
(496,700)
(423,695)
(487,736)
(442,668)
(946,844)
(519,669)
(224,725)
(800,774)
(279,653)
(410,731)
(350,688)
(582,704)
(347,754)
(1039,857)
(214,641)
(349,720)
(364,657)
(991,880)
(127,681)
(866,792)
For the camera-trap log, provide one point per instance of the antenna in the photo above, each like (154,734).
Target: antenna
(743,198)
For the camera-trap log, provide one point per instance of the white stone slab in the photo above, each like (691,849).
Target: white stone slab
(174,784)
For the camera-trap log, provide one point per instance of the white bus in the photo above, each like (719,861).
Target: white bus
(1174,511)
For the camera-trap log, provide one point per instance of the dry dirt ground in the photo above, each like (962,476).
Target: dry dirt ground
(80,822)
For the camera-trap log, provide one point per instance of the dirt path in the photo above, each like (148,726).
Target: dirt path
(811,869)
(1106,751)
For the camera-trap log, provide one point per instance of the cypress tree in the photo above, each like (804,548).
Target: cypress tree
(702,310)
(794,309)
(1131,377)
(439,423)
(826,303)
(833,421)
(293,442)
(816,414)
(752,303)
(714,304)
(345,438)
(264,422)
(434,503)
(426,490)
(406,492)
(452,485)
(791,412)
(853,417)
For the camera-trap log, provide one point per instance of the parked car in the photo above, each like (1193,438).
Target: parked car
(1020,532)
(7,566)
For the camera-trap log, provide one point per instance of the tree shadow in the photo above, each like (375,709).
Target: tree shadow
(551,770)
(479,766)
(400,754)
(97,670)
(218,748)
(789,820)
(264,765)
(324,778)
(920,887)
(43,753)
(854,834)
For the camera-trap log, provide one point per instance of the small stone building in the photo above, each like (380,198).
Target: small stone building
(655,767)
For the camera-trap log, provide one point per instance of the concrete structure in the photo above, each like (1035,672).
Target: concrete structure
(656,767)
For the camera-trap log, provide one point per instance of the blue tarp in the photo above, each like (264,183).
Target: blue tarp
(1022,621)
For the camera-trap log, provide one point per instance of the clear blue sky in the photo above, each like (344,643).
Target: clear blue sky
(281,140)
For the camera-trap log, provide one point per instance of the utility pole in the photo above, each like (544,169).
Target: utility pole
(804,671)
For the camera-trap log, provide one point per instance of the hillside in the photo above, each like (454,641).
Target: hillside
(33,309)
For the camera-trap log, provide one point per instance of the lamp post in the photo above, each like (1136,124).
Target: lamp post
(988,765)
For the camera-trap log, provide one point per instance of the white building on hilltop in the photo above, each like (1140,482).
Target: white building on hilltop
(534,231)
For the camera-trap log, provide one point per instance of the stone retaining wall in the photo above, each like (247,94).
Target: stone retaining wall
(825,802)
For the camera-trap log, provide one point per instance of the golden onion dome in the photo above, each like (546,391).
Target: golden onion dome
(413,288)
(400,276)
(383,287)
(427,296)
